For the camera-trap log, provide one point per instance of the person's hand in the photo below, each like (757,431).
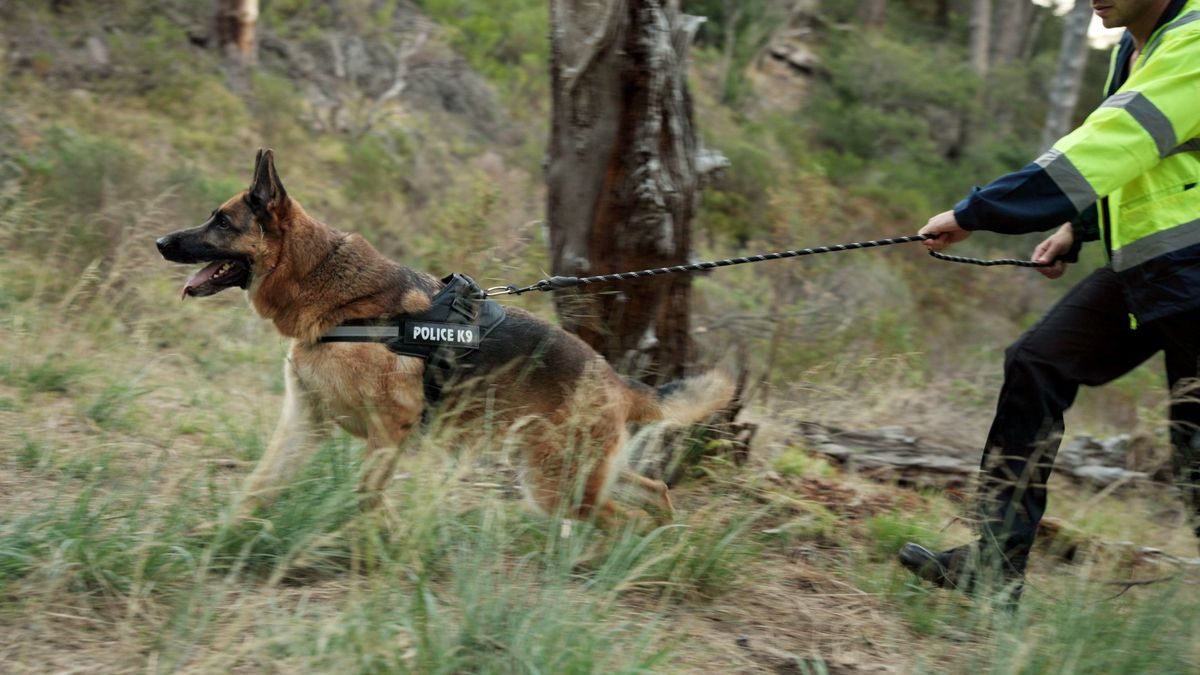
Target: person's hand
(1054,246)
(945,227)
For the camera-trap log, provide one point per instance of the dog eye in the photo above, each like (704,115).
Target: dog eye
(222,222)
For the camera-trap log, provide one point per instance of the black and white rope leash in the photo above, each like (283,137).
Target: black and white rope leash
(555,283)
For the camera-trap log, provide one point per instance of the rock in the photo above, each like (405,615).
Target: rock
(97,52)
(1115,448)
(1105,475)
(839,452)
(893,453)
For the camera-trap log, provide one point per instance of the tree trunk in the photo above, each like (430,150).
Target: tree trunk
(942,14)
(1068,76)
(980,33)
(872,13)
(1012,24)
(732,14)
(623,174)
(1029,42)
(235,20)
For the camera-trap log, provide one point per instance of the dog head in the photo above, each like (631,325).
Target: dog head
(239,238)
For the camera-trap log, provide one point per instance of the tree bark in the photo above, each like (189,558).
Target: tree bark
(235,21)
(980,25)
(1068,76)
(1029,42)
(623,174)
(1012,24)
(732,14)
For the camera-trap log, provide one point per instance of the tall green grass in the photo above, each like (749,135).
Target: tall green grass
(469,581)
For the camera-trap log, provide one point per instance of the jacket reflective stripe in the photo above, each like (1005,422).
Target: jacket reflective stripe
(1137,252)
(1191,146)
(1148,115)
(1157,39)
(1062,171)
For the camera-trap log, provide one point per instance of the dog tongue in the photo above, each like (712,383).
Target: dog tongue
(200,278)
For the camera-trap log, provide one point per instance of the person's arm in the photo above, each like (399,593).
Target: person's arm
(1085,227)
(1054,252)
(1130,132)
(1028,200)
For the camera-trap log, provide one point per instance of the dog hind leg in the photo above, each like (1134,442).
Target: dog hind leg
(656,490)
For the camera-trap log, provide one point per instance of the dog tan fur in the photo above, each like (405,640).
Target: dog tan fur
(566,408)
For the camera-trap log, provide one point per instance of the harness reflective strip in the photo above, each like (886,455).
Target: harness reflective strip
(363,332)
(1190,17)
(1154,245)
(1191,146)
(1062,171)
(1148,115)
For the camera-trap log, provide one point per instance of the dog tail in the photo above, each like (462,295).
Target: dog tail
(682,402)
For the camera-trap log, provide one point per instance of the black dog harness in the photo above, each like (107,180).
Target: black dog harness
(447,335)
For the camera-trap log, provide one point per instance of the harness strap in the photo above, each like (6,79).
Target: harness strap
(447,335)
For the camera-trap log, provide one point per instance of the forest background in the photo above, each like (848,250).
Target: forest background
(129,417)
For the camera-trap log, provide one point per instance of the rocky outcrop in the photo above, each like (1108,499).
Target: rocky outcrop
(896,454)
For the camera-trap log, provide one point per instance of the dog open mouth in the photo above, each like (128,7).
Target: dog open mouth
(216,277)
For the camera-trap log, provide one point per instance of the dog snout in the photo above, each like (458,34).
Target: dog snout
(165,245)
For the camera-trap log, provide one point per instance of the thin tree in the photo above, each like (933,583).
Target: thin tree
(980,25)
(235,29)
(1011,24)
(624,167)
(1068,76)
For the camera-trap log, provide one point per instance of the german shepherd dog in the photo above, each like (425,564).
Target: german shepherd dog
(562,404)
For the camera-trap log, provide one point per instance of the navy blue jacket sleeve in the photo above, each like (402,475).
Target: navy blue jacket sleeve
(1086,227)
(1023,201)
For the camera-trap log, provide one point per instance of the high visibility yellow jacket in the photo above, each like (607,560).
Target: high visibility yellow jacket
(1138,156)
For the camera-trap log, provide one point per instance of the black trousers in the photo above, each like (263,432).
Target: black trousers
(1085,339)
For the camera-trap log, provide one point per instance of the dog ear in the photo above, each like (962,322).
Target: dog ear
(266,189)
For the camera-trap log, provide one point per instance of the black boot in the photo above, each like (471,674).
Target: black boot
(948,569)
(967,568)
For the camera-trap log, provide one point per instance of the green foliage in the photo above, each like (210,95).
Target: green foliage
(79,173)
(495,35)
(505,40)
(737,207)
(32,455)
(113,407)
(55,373)
(888,116)
(196,190)
(800,463)
(739,30)
(889,532)
(382,163)
(274,108)
(1080,631)
(297,533)
(171,77)
(701,558)
(91,546)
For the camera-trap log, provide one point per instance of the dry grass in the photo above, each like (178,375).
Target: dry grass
(127,417)
(762,572)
